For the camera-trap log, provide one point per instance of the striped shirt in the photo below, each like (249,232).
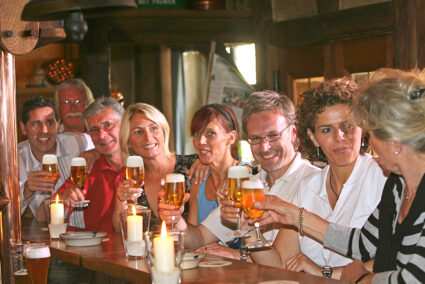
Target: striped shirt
(362,244)
(68,146)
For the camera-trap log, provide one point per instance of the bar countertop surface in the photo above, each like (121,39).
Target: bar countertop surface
(109,258)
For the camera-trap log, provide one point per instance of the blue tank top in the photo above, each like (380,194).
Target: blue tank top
(205,206)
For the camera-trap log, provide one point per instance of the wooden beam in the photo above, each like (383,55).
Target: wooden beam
(367,21)
(409,37)
(178,26)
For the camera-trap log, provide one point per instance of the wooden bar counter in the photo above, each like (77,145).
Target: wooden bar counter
(109,258)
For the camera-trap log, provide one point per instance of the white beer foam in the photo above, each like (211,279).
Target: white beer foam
(49,159)
(252,184)
(134,161)
(78,162)
(238,172)
(37,252)
(174,178)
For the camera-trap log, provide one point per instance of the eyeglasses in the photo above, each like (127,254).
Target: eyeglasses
(255,140)
(105,126)
(69,102)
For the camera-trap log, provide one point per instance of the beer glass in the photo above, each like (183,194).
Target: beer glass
(37,259)
(50,164)
(136,172)
(253,191)
(175,187)
(78,171)
(235,177)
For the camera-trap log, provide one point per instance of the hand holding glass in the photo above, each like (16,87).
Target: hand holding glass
(236,176)
(253,191)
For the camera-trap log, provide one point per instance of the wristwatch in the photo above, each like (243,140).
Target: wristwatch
(327,271)
(244,253)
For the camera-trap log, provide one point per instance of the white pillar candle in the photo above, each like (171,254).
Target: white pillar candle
(57,212)
(134,227)
(163,250)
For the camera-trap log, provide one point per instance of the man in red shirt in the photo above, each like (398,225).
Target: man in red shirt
(103,120)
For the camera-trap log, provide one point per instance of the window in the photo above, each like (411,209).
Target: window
(244,58)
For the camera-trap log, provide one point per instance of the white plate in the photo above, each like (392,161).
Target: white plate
(191,260)
(83,239)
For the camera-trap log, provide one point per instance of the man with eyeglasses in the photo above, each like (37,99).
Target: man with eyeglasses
(39,122)
(103,121)
(72,96)
(268,120)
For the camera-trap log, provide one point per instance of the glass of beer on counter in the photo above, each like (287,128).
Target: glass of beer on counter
(50,164)
(78,171)
(37,259)
(175,187)
(135,171)
(253,191)
(235,177)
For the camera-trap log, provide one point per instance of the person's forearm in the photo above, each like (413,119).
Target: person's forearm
(27,192)
(312,225)
(193,239)
(268,257)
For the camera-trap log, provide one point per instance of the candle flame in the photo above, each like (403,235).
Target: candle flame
(163,230)
(57,198)
(133,209)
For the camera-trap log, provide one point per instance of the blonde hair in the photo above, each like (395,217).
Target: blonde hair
(392,106)
(151,113)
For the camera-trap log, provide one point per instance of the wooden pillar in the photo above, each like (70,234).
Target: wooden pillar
(166,89)
(96,60)
(409,34)
(11,213)
(333,60)
(261,43)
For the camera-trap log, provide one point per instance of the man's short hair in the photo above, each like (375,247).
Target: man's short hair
(101,103)
(35,103)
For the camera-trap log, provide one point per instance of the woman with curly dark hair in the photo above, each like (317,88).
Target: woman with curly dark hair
(344,191)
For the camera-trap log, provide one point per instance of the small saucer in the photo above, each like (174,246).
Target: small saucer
(83,239)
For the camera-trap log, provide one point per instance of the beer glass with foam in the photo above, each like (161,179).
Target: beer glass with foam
(235,176)
(135,171)
(78,171)
(175,187)
(253,191)
(37,259)
(50,164)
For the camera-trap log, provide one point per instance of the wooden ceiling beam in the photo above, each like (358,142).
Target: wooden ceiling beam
(360,22)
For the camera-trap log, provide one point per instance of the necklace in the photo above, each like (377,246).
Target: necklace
(406,194)
(330,183)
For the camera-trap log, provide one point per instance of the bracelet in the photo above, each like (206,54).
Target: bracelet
(361,277)
(300,221)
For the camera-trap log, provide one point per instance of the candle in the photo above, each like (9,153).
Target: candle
(57,212)
(134,227)
(163,250)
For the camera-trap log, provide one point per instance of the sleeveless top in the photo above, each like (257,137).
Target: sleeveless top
(205,206)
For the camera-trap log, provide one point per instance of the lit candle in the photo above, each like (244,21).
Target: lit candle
(57,212)
(134,227)
(163,250)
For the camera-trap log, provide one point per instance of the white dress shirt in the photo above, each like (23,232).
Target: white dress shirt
(68,146)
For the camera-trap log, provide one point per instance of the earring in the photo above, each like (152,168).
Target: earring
(395,152)
(318,151)
(362,142)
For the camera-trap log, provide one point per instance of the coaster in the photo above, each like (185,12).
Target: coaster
(214,263)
